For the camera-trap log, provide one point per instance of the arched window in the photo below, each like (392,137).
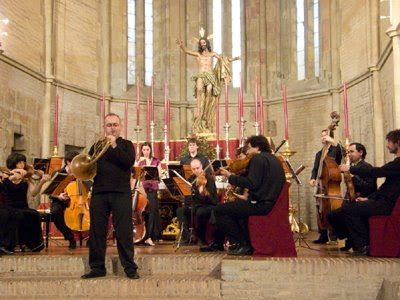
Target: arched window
(316,37)
(131,41)
(236,42)
(148,41)
(301,72)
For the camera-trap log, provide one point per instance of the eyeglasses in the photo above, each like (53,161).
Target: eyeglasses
(112,125)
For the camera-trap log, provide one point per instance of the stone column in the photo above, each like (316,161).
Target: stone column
(379,145)
(335,82)
(394,33)
(104,85)
(49,95)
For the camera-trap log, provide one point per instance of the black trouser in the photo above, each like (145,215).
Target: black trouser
(229,218)
(120,205)
(337,219)
(153,222)
(202,214)
(57,216)
(357,214)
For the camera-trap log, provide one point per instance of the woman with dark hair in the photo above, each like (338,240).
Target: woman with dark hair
(15,187)
(153,222)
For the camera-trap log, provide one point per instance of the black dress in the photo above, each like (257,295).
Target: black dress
(29,231)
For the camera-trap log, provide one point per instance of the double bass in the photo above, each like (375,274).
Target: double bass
(329,179)
(139,204)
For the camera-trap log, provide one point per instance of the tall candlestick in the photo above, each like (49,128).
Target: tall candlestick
(126,120)
(256,100)
(262,115)
(165,103)
(56,123)
(217,125)
(226,102)
(346,110)
(137,101)
(285,113)
(148,119)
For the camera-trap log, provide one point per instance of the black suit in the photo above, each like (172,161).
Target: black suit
(264,180)
(200,206)
(380,202)
(112,194)
(363,186)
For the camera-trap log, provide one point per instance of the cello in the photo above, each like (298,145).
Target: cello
(139,204)
(328,194)
(76,215)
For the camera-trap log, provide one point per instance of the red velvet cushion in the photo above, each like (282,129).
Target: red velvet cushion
(384,234)
(271,235)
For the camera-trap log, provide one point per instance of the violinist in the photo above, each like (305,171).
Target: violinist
(15,187)
(153,221)
(264,180)
(193,147)
(363,186)
(334,151)
(60,203)
(378,203)
(112,194)
(204,199)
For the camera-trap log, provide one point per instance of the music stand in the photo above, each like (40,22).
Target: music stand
(185,191)
(300,236)
(41,164)
(216,164)
(151,173)
(176,168)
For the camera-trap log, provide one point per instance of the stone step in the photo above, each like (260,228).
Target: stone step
(208,264)
(303,278)
(187,286)
(390,289)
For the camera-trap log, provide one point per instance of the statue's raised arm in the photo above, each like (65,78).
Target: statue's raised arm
(183,48)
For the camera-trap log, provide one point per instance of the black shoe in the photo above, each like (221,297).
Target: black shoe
(133,275)
(38,248)
(323,239)
(347,246)
(212,247)
(94,274)
(242,250)
(72,244)
(201,243)
(4,251)
(363,251)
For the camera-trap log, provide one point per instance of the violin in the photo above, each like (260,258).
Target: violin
(201,182)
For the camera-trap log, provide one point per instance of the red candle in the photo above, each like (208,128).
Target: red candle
(168,118)
(148,119)
(256,100)
(152,100)
(226,103)
(241,100)
(165,104)
(137,101)
(217,119)
(103,110)
(239,114)
(126,120)
(261,115)
(346,110)
(285,113)
(56,123)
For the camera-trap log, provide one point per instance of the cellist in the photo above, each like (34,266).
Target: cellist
(363,187)
(331,149)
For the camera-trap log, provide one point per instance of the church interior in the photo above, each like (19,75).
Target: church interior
(66,64)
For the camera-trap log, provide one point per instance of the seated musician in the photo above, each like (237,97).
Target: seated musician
(204,199)
(60,203)
(239,194)
(335,151)
(193,148)
(15,187)
(153,220)
(265,179)
(363,187)
(379,203)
